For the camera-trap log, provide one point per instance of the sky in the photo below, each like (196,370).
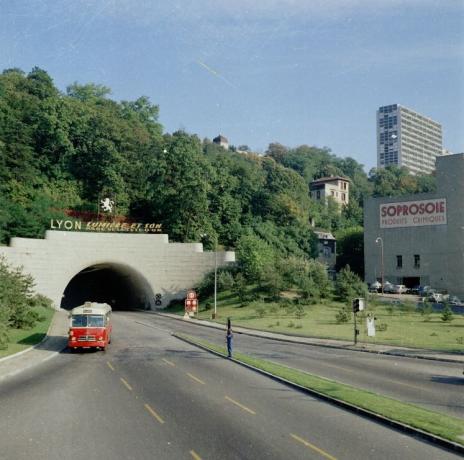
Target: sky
(289,71)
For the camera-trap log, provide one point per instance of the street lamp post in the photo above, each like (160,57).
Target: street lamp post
(215,280)
(380,240)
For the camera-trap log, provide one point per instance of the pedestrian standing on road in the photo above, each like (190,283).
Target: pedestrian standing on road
(229,337)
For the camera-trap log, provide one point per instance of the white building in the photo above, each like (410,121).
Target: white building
(336,187)
(221,141)
(407,138)
(419,239)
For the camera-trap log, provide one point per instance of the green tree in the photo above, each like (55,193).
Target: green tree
(348,285)
(255,256)
(350,249)
(447,314)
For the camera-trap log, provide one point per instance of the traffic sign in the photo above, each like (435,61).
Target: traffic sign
(191,302)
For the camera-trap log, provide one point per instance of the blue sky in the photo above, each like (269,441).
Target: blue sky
(289,71)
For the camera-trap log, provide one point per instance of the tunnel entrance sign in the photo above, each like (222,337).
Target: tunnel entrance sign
(191,302)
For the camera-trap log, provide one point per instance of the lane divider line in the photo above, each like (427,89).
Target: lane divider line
(152,412)
(126,384)
(168,362)
(312,446)
(247,409)
(110,365)
(195,455)
(196,378)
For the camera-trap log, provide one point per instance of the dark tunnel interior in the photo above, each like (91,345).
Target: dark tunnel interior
(116,285)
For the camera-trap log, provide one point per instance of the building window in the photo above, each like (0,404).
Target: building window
(318,195)
(416,261)
(399,261)
(343,197)
(327,251)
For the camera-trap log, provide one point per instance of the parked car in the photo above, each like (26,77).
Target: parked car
(424,290)
(414,290)
(375,286)
(399,289)
(388,287)
(435,297)
(453,300)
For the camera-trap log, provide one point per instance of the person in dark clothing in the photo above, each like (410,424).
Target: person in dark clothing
(229,337)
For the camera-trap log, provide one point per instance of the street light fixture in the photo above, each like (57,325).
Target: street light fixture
(380,240)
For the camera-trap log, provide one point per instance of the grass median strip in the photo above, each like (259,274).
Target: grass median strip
(444,426)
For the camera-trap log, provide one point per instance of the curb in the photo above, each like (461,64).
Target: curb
(442,442)
(251,333)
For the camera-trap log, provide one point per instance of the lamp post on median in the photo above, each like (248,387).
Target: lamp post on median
(380,240)
(215,279)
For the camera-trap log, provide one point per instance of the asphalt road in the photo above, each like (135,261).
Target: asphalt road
(151,396)
(436,385)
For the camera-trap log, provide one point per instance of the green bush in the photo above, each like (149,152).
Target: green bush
(349,286)
(447,315)
(225,280)
(3,336)
(343,315)
(299,311)
(17,301)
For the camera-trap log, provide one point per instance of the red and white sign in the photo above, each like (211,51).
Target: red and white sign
(413,213)
(191,302)
(191,295)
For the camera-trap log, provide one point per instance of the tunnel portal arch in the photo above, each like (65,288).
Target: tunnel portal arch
(153,270)
(118,285)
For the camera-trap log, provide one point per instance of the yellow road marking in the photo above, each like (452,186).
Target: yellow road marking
(126,384)
(195,455)
(168,362)
(240,405)
(152,412)
(312,446)
(195,378)
(110,365)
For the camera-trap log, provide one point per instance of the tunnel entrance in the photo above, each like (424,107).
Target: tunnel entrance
(117,285)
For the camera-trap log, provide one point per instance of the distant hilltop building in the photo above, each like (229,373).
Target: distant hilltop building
(407,138)
(221,141)
(336,187)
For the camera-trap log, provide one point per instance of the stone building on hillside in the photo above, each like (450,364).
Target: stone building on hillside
(336,187)
(221,141)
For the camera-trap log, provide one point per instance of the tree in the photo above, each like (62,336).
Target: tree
(255,256)
(349,286)
(447,314)
(350,249)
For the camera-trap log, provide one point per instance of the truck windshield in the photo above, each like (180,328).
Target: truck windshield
(88,321)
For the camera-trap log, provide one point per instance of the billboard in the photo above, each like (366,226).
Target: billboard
(416,213)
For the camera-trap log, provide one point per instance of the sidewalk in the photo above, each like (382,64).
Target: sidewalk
(346,345)
(55,341)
